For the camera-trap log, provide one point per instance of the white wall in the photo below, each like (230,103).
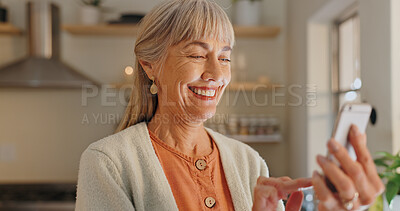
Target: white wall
(377,65)
(319,64)
(43,128)
(44,132)
(319,115)
(376,72)
(395,55)
(299,13)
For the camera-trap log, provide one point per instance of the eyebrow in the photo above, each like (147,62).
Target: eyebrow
(206,46)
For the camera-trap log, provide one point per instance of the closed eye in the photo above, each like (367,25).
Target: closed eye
(225,60)
(197,57)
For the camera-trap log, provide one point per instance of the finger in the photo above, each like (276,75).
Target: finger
(273,182)
(322,192)
(354,170)
(284,185)
(260,179)
(294,185)
(285,178)
(295,200)
(265,198)
(358,141)
(287,186)
(340,180)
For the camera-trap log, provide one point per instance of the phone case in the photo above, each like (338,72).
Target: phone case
(349,114)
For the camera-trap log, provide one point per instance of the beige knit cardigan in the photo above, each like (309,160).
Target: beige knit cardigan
(122,172)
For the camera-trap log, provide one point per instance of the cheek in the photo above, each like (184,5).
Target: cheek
(188,73)
(227,74)
(177,79)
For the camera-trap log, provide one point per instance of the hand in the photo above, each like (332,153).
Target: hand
(357,182)
(269,191)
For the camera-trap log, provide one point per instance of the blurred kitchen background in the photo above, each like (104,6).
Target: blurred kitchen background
(294,63)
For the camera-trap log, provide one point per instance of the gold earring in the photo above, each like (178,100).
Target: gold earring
(153,87)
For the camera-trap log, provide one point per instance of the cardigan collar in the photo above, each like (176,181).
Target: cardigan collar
(227,159)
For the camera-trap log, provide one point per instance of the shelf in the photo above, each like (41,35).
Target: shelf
(101,30)
(257,31)
(6,28)
(273,138)
(132,29)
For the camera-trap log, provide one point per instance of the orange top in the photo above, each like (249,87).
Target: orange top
(197,183)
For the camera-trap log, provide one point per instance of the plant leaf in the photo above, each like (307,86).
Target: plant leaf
(391,190)
(395,164)
(396,179)
(386,155)
(381,162)
(387,174)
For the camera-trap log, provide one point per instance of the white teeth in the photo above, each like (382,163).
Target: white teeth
(212,92)
(209,93)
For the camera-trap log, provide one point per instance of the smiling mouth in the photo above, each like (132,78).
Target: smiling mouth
(203,91)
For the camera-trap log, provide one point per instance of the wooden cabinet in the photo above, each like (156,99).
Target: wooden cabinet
(132,29)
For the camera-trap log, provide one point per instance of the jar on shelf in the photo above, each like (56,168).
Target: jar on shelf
(261,129)
(269,129)
(253,124)
(244,125)
(275,124)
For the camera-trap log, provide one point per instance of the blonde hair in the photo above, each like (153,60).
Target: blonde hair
(166,25)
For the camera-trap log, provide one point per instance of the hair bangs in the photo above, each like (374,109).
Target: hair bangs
(167,24)
(202,20)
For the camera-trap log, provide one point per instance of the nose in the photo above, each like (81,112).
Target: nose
(213,71)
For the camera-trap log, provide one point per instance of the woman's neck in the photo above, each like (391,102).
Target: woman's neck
(190,138)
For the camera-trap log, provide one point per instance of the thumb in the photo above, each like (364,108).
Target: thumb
(294,202)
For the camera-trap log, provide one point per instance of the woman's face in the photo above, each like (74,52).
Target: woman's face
(193,78)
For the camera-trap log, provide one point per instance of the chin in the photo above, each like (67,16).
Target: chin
(209,115)
(204,116)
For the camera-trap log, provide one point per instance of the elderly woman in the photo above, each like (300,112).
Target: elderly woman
(163,158)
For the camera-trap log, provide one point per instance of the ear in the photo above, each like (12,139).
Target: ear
(147,67)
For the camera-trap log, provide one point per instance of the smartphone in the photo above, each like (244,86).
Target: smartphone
(349,114)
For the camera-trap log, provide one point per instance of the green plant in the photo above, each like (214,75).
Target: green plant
(95,3)
(391,173)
